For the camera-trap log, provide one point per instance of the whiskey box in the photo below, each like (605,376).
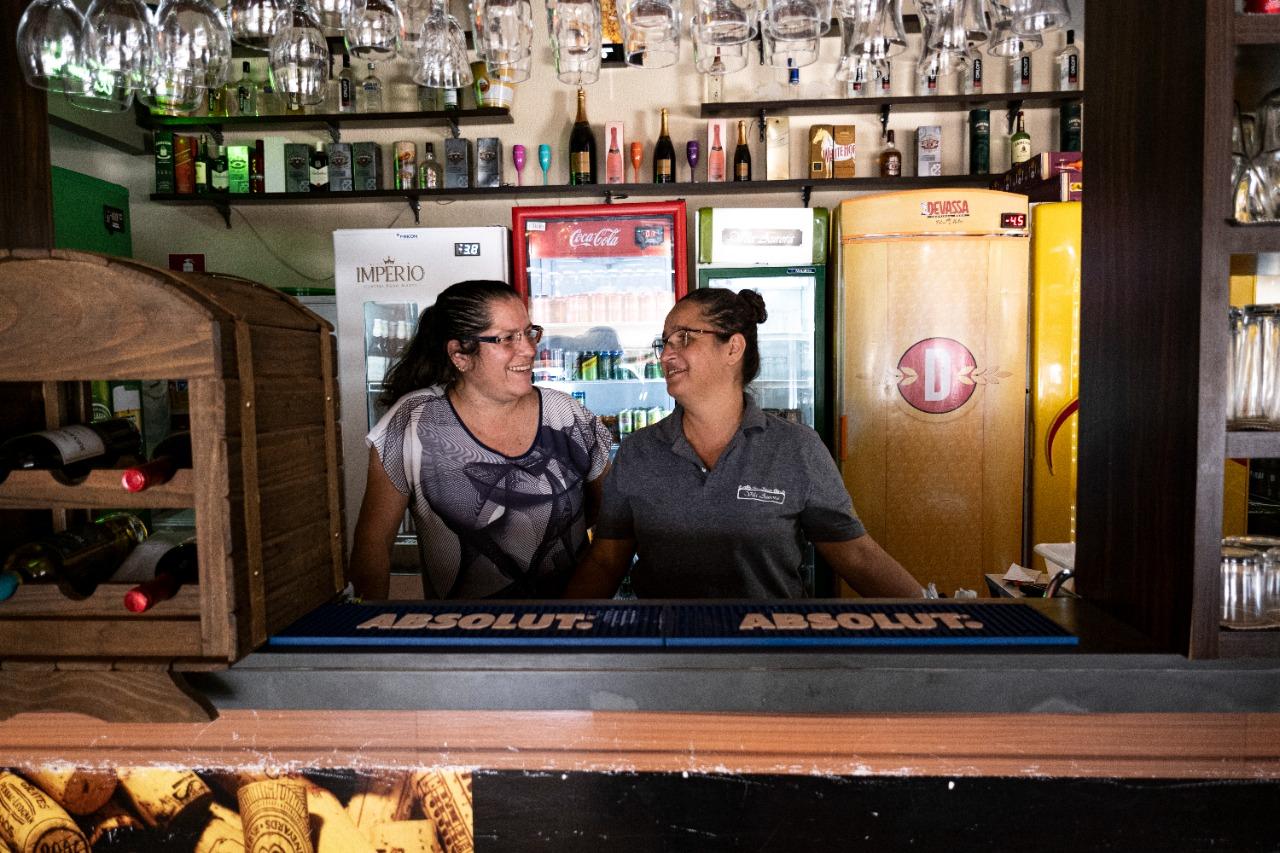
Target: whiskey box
(717,150)
(457,163)
(820,143)
(340,174)
(184,164)
(164,161)
(366,165)
(273,163)
(843,151)
(488,162)
(615,162)
(238,168)
(297,168)
(777,152)
(929,151)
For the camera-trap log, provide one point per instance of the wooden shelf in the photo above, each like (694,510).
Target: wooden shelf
(38,490)
(481,115)
(1251,238)
(935,102)
(1257,29)
(107,601)
(1248,644)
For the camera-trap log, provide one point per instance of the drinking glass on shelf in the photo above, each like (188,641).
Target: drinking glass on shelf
(517,158)
(544,160)
(575,40)
(691,150)
(1254,367)
(1271,585)
(637,159)
(1241,588)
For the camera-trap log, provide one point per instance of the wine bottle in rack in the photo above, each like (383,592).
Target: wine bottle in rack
(71,452)
(171,566)
(77,559)
(167,457)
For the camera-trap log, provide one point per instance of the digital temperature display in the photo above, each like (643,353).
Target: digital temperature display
(466,250)
(1013,220)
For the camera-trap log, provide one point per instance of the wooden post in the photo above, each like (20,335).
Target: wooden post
(26,205)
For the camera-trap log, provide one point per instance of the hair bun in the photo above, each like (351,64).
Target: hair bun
(755,304)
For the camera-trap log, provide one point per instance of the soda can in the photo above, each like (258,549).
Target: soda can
(589,367)
(654,415)
(626,422)
(608,365)
(580,396)
(619,365)
(406,165)
(570,362)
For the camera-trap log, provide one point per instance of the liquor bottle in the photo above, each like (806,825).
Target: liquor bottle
(614,170)
(713,81)
(664,156)
(793,81)
(979,142)
(973,80)
(78,560)
(71,452)
(1020,74)
(451,99)
(715,157)
(215,102)
(319,169)
(246,92)
(258,167)
(1068,62)
(173,567)
(269,103)
(742,155)
(890,158)
(1070,126)
(329,105)
(203,166)
(428,99)
(346,86)
(1020,143)
(371,92)
(582,146)
(218,169)
(885,72)
(172,453)
(430,172)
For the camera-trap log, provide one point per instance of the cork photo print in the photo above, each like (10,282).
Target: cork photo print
(74,810)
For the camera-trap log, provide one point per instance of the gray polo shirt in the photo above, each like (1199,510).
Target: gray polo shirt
(733,531)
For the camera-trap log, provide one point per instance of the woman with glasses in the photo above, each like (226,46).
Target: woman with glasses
(502,478)
(717,499)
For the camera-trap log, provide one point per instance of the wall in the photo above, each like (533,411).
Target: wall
(291,245)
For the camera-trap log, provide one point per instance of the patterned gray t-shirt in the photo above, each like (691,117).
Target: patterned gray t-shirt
(491,525)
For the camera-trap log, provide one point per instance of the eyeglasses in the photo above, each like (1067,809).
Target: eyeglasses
(679,339)
(533,334)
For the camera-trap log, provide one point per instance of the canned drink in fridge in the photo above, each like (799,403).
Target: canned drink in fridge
(626,422)
(654,415)
(580,396)
(619,365)
(570,361)
(406,165)
(589,367)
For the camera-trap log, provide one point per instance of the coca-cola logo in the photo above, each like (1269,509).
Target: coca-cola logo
(601,238)
(950,207)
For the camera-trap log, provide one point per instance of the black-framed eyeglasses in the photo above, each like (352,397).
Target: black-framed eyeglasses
(680,338)
(533,334)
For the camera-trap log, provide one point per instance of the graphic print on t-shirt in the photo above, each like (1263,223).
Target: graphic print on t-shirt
(762,494)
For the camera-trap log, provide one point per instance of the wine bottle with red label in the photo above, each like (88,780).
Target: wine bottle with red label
(167,457)
(71,452)
(172,566)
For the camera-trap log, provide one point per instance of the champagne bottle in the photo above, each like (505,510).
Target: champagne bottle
(582,146)
(71,452)
(78,560)
(715,159)
(1020,143)
(174,567)
(664,156)
(167,457)
(742,155)
(614,171)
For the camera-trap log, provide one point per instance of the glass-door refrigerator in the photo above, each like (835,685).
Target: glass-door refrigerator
(782,253)
(385,278)
(600,280)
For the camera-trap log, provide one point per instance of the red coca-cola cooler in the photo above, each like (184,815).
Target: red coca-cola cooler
(600,279)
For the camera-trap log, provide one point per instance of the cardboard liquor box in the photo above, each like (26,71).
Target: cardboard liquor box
(1064,186)
(366,165)
(163,144)
(717,145)
(238,168)
(843,151)
(273,167)
(297,168)
(777,152)
(1044,165)
(615,161)
(340,175)
(488,162)
(929,151)
(184,164)
(820,145)
(457,163)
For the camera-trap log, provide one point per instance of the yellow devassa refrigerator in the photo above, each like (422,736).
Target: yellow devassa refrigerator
(930,335)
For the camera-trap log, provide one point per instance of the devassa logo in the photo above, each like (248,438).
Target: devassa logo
(933,372)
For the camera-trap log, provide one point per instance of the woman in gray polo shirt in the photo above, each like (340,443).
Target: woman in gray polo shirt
(718,499)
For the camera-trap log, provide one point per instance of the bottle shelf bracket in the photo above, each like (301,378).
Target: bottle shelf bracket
(223,206)
(884,119)
(216,133)
(764,123)
(454,130)
(335,132)
(415,204)
(806,192)
(610,196)
(1011,117)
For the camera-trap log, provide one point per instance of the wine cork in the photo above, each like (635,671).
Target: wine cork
(380,799)
(164,797)
(77,790)
(446,799)
(31,822)
(275,817)
(223,834)
(112,821)
(406,836)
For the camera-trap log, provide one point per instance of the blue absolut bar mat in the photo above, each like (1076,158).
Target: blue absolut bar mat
(950,623)
(478,624)
(727,625)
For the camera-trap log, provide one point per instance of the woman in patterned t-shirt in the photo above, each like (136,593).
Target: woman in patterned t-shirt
(502,478)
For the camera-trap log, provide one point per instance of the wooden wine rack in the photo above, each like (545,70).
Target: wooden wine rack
(265,478)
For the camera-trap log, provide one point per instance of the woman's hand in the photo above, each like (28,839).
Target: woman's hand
(381,514)
(601,571)
(869,569)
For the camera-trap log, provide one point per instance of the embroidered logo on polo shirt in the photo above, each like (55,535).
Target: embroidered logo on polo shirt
(761,494)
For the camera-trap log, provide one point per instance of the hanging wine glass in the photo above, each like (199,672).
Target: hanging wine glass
(333,14)
(119,49)
(374,30)
(878,32)
(192,45)
(1037,17)
(253,21)
(50,45)
(442,52)
(575,42)
(299,56)
(504,37)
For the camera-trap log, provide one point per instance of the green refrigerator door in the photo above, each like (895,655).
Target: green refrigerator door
(91,215)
